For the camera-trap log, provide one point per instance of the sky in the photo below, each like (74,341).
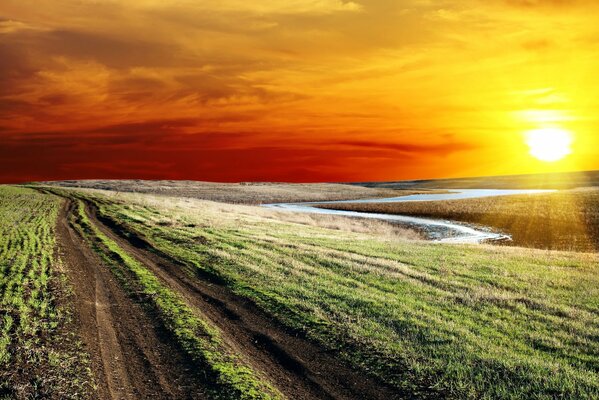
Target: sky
(293,90)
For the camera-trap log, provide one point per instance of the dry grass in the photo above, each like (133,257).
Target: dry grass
(220,211)
(564,180)
(240,193)
(379,228)
(567,220)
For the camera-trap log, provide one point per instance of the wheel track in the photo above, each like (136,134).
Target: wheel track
(297,367)
(131,356)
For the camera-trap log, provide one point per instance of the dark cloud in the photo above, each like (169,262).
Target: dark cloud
(55,99)
(539,45)
(28,57)
(549,3)
(441,149)
(143,135)
(10,106)
(106,50)
(55,159)
(136,84)
(112,52)
(16,65)
(159,149)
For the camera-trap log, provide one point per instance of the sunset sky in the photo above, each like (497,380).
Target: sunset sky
(293,90)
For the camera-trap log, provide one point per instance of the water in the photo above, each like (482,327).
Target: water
(436,229)
(456,194)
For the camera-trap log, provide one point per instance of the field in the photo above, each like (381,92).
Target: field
(563,180)
(215,300)
(565,220)
(39,356)
(244,193)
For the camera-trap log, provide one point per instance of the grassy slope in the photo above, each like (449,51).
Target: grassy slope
(463,321)
(566,220)
(40,356)
(202,342)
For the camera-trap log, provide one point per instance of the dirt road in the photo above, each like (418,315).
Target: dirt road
(133,357)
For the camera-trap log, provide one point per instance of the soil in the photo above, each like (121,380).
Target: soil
(131,356)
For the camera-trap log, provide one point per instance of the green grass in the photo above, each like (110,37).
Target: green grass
(432,319)
(232,378)
(40,355)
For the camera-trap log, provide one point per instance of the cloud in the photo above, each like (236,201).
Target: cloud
(159,132)
(174,148)
(536,4)
(16,65)
(11,26)
(261,6)
(57,76)
(363,85)
(101,48)
(40,160)
(420,150)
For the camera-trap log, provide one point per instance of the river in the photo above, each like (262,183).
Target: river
(435,229)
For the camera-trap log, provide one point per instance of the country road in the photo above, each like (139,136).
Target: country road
(134,357)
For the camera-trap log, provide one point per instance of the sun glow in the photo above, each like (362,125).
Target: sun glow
(549,144)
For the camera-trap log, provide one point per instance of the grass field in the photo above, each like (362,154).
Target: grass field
(565,220)
(430,320)
(40,356)
(561,180)
(414,319)
(240,193)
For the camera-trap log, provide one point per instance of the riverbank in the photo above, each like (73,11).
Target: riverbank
(565,220)
(431,228)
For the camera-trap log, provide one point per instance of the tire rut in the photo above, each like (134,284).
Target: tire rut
(131,357)
(299,368)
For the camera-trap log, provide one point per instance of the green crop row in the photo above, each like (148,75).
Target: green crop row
(39,353)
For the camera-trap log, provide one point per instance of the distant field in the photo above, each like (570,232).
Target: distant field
(567,220)
(430,320)
(246,193)
(566,180)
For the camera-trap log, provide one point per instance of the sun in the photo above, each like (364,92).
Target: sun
(549,144)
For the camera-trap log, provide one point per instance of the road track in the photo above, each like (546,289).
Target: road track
(133,357)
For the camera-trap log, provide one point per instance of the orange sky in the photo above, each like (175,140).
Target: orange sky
(293,90)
